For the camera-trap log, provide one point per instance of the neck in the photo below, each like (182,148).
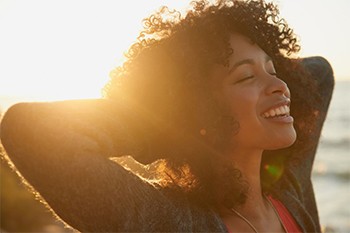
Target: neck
(249,162)
(256,210)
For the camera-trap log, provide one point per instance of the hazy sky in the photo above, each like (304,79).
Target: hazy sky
(57,49)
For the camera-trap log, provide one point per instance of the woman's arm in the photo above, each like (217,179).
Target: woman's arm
(62,150)
(320,71)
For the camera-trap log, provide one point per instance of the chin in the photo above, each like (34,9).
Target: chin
(282,140)
(285,141)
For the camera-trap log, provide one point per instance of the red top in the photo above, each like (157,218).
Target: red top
(287,219)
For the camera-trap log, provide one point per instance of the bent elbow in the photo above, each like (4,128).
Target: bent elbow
(11,124)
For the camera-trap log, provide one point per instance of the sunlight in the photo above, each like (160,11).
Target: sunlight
(65,49)
(321,27)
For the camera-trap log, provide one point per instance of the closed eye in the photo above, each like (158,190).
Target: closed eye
(244,79)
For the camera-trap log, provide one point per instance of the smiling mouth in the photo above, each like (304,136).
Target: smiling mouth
(281,111)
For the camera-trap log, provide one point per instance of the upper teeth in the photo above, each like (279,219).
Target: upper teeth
(282,110)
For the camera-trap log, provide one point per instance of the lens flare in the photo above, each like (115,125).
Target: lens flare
(273,170)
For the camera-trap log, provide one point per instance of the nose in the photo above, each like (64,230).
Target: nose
(277,86)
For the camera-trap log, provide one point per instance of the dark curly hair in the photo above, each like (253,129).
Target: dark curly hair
(166,77)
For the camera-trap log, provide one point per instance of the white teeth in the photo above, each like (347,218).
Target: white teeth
(278,111)
(282,110)
(287,108)
(272,112)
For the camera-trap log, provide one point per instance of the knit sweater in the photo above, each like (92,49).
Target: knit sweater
(62,150)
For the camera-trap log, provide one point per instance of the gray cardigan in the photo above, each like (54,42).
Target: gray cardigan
(62,149)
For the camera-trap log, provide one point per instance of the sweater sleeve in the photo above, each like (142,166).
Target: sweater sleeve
(321,73)
(62,149)
(302,154)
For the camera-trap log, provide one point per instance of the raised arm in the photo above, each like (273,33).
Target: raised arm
(62,150)
(312,114)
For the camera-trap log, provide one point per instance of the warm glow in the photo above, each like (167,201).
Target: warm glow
(64,49)
(53,50)
(322,27)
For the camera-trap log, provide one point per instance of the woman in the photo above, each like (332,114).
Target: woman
(205,96)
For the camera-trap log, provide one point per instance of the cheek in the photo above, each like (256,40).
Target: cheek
(244,106)
(240,103)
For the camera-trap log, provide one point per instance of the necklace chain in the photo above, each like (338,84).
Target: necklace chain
(250,224)
(244,219)
(278,216)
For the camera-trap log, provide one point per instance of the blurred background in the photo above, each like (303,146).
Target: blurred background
(63,49)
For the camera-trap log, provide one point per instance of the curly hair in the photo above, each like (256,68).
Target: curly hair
(166,77)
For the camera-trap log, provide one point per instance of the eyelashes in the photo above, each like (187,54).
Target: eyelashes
(252,76)
(245,79)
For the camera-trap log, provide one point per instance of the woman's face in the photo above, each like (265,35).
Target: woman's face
(250,91)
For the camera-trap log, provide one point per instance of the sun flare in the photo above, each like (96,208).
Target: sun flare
(54,50)
(65,50)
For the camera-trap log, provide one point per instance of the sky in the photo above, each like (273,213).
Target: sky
(65,49)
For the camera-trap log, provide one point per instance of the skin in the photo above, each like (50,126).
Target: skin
(246,89)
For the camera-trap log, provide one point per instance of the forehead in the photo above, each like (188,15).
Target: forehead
(244,48)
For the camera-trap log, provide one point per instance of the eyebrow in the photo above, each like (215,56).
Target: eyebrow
(248,61)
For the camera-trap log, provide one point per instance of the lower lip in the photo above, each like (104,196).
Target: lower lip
(283,119)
